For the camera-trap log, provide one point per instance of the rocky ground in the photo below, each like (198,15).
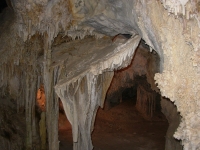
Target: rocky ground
(121,128)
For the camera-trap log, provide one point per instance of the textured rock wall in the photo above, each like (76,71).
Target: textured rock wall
(174,119)
(20,74)
(12,125)
(179,79)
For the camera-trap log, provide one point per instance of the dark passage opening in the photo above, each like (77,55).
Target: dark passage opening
(64,130)
(3,5)
(130,94)
(124,128)
(132,117)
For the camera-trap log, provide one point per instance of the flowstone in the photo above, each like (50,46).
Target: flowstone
(84,87)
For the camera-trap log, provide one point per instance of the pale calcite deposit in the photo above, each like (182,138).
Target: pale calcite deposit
(179,80)
(82,89)
(41,16)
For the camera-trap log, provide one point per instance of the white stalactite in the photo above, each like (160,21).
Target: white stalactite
(52,106)
(84,89)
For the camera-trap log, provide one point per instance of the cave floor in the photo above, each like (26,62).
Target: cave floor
(121,128)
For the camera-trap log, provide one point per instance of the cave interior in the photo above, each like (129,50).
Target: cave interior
(87,74)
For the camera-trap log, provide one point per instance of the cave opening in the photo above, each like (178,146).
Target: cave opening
(132,117)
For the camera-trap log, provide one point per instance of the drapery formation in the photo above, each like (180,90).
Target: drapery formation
(82,94)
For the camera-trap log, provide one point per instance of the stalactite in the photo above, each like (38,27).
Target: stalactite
(19,69)
(41,16)
(80,33)
(83,90)
(31,90)
(42,125)
(51,99)
(86,98)
(30,98)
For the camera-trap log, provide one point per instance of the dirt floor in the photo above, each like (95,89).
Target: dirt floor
(121,128)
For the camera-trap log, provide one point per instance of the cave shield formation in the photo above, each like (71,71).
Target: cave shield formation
(68,46)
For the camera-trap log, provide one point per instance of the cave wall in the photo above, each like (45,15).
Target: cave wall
(20,76)
(12,125)
(174,119)
(179,79)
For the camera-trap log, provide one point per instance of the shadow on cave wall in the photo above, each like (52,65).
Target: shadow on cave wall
(12,125)
(3,5)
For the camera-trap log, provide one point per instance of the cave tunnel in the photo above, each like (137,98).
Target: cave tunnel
(132,116)
(135,115)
